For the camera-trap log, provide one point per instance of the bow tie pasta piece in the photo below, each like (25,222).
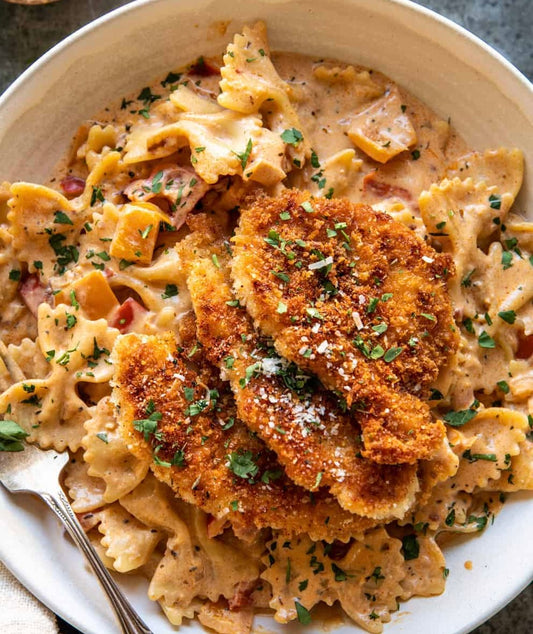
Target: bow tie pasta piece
(85,491)
(128,542)
(425,573)
(486,447)
(384,129)
(218,566)
(502,168)
(221,618)
(519,475)
(508,280)
(44,227)
(107,453)
(186,100)
(251,83)
(98,138)
(223,143)
(458,213)
(50,409)
(28,357)
(365,581)
(493,437)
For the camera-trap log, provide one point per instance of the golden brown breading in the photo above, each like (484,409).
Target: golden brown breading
(359,300)
(205,453)
(317,443)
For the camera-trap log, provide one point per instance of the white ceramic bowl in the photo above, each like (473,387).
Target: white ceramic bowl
(490,103)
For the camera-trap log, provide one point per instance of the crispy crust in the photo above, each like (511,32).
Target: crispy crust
(150,368)
(321,315)
(317,443)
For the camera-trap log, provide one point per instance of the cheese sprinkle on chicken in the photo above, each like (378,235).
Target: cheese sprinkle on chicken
(356,298)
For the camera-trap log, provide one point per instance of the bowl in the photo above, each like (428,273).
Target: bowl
(456,74)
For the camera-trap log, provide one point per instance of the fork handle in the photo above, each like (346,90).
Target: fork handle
(130,622)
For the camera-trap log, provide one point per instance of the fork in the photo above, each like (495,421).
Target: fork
(34,470)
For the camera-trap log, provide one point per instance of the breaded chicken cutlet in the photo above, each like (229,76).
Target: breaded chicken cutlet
(356,298)
(317,442)
(197,445)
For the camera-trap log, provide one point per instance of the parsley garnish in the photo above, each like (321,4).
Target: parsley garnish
(97,195)
(508,316)
(467,279)
(243,465)
(461,417)
(303,613)
(157,183)
(474,457)
(495,201)
(244,156)
(171,290)
(61,218)
(392,353)
(292,136)
(11,435)
(486,341)
(410,547)
(148,426)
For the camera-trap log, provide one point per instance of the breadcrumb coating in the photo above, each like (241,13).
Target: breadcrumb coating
(316,440)
(356,298)
(205,453)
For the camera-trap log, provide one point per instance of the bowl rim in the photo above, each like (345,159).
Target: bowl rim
(131,7)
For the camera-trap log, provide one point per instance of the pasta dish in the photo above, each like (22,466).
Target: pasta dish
(280,315)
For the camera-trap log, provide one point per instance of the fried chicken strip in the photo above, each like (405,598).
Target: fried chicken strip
(356,298)
(205,453)
(317,443)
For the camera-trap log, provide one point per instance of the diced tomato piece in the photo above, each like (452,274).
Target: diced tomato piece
(126,314)
(385,190)
(72,186)
(33,293)
(243,596)
(525,347)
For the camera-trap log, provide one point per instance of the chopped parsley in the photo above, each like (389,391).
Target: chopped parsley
(508,316)
(292,136)
(410,547)
(392,353)
(61,218)
(171,290)
(504,386)
(495,201)
(157,183)
(474,457)
(303,614)
(11,435)
(244,156)
(148,426)
(242,464)
(460,417)
(97,195)
(486,341)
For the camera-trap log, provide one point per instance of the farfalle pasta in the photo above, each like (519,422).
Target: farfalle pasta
(202,456)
